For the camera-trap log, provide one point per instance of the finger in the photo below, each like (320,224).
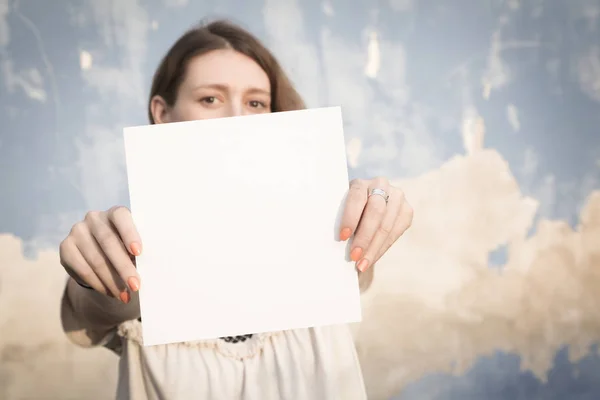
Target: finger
(77,268)
(120,218)
(353,209)
(383,232)
(370,221)
(114,250)
(402,224)
(97,260)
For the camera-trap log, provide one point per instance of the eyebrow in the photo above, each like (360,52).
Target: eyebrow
(225,88)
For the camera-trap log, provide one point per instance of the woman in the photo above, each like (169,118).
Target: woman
(215,71)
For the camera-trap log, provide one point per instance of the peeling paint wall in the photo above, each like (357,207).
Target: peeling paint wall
(452,309)
(36,360)
(486,113)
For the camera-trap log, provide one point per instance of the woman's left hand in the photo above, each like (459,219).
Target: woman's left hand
(376,221)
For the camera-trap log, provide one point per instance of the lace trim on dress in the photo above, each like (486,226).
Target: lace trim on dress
(250,347)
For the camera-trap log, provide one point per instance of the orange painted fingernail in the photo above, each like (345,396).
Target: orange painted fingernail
(363,265)
(124,296)
(134,283)
(345,234)
(356,253)
(136,249)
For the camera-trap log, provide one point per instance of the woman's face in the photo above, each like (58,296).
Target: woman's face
(221,83)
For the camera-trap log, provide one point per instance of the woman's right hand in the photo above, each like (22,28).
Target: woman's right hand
(99,252)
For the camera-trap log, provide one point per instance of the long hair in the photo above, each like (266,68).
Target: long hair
(219,35)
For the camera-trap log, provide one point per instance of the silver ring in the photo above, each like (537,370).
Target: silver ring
(380,192)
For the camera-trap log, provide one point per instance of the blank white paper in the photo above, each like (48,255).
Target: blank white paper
(239,220)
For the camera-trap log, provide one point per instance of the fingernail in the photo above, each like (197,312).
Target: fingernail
(124,296)
(356,253)
(345,234)
(363,265)
(133,283)
(136,249)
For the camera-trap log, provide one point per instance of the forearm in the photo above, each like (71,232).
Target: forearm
(88,316)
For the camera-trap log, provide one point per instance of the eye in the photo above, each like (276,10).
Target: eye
(209,100)
(257,104)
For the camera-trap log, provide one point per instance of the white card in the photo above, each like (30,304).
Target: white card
(239,220)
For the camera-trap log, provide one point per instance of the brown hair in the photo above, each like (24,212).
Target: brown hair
(215,36)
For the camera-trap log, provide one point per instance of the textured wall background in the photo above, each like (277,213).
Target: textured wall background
(485,111)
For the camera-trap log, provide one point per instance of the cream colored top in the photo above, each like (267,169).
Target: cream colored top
(303,364)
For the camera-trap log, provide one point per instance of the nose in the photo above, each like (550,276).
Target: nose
(235,109)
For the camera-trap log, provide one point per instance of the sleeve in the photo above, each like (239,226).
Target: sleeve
(90,318)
